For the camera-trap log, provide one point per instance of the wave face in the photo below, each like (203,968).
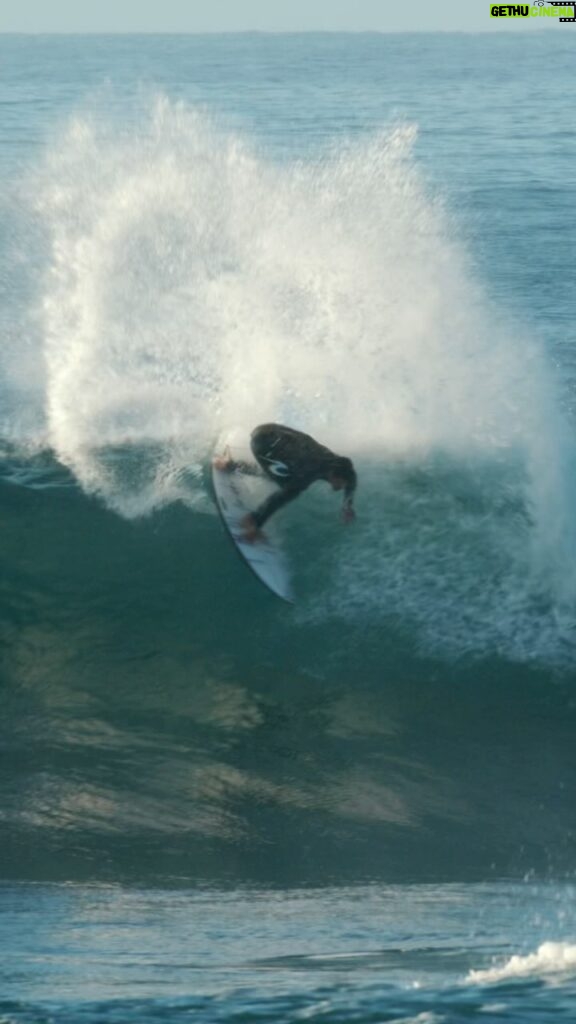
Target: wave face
(413,716)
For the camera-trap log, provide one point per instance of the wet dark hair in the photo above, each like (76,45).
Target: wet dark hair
(343,468)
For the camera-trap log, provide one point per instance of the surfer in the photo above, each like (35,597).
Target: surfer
(293,460)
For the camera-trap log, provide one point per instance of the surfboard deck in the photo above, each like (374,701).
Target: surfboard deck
(236,495)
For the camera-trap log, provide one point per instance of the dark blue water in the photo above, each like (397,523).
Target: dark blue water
(213,805)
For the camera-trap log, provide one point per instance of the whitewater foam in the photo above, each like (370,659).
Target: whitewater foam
(191,284)
(551,958)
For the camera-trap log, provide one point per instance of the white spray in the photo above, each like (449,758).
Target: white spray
(193,285)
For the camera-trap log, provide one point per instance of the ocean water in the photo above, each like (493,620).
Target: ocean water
(214,806)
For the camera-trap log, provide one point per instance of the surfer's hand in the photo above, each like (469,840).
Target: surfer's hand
(223,462)
(251,532)
(347,514)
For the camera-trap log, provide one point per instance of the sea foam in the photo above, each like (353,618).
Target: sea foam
(188,283)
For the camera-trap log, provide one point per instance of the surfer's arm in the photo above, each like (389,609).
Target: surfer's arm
(348,515)
(228,465)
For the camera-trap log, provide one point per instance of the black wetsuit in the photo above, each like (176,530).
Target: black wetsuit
(294,461)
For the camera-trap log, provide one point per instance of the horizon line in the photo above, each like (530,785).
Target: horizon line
(539,26)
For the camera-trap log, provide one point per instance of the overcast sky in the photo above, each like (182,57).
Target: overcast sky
(263,15)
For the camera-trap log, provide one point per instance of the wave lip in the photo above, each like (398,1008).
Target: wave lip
(194,284)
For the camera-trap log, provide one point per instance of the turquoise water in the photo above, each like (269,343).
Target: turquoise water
(418,953)
(360,808)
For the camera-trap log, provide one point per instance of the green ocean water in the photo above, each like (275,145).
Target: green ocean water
(212,804)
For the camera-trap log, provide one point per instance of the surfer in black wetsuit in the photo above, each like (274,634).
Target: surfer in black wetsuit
(293,460)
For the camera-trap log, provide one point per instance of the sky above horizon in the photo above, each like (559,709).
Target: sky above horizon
(261,15)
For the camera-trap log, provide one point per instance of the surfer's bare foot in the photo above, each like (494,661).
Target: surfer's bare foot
(250,529)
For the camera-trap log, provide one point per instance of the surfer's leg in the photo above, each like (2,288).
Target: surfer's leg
(250,468)
(266,446)
(227,464)
(263,440)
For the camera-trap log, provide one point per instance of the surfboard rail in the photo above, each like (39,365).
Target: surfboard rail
(265,556)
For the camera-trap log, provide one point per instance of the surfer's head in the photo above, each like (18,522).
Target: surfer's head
(341,475)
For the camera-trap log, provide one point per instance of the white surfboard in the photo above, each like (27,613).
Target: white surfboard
(237,493)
